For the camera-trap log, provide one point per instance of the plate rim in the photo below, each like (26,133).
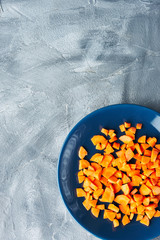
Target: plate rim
(65,142)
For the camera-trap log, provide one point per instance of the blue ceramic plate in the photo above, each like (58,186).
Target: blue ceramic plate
(108,117)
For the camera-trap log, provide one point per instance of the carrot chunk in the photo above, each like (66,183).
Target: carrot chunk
(82,152)
(109,214)
(115,223)
(125,220)
(113,208)
(145,221)
(95,211)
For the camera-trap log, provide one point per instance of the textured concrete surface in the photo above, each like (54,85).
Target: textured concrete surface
(60,60)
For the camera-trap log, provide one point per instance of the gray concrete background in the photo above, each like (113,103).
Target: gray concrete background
(60,60)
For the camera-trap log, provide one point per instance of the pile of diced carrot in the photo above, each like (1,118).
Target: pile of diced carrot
(125,176)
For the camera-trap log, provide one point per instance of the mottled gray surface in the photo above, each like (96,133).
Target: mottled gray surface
(60,60)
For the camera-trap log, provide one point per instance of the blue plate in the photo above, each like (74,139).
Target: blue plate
(109,117)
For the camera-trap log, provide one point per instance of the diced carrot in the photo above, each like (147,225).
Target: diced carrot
(108,195)
(97,157)
(111,131)
(139,125)
(83,164)
(117,188)
(82,152)
(125,168)
(127,125)
(113,208)
(125,179)
(144,146)
(155,164)
(80,192)
(108,172)
(100,206)
(129,154)
(138,164)
(134,191)
(107,159)
(148,172)
(154,154)
(92,202)
(145,221)
(95,165)
(88,190)
(150,213)
(144,190)
(88,172)
(109,214)
(146,201)
(104,181)
(86,204)
(97,174)
(147,152)
(126,139)
(123,146)
(105,131)
(145,160)
(154,199)
(138,148)
(98,139)
(115,223)
(131,145)
(138,197)
(140,209)
(125,188)
(81,178)
(124,209)
(87,182)
(110,185)
(130,134)
(156,190)
(142,139)
(157,146)
(153,181)
(113,139)
(118,216)
(149,184)
(98,193)
(109,149)
(98,183)
(151,206)
(119,153)
(80,173)
(116,145)
(136,180)
(125,220)
(132,129)
(118,174)
(157,214)
(133,207)
(131,216)
(151,141)
(93,186)
(122,199)
(139,217)
(133,172)
(122,128)
(112,179)
(90,168)
(95,211)
(99,146)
